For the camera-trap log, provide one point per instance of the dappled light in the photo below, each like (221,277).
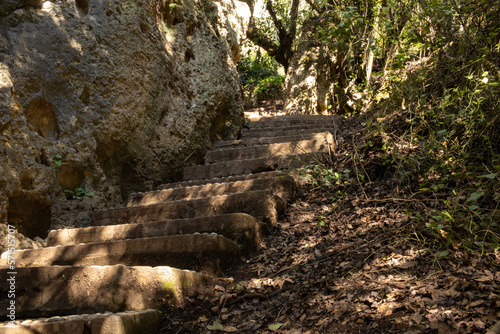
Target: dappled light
(288,166)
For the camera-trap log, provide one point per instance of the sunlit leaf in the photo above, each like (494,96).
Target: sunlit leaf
(274,327)
(216,326)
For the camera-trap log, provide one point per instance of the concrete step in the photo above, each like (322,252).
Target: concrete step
(129,322)
(323,144)
(285,131)
(227,179)
(231,168)
(67,290)
(238,227)
(191,251)
(267,140)
(284,187)
(333,121)
(261,204)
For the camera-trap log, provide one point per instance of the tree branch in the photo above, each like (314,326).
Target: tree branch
(277,22)
(256,36)
(293,19)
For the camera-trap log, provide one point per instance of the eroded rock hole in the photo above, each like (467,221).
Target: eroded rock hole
(191,28)
(85,95)
(41,114)
(83,6)
(188,55)
(144,27)
(29,214)
(70,177)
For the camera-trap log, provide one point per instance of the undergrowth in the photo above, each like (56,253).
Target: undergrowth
(436,143)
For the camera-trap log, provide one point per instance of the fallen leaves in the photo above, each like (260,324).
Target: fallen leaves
(360,272)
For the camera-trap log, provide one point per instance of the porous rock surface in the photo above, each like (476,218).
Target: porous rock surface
(309,84)
(126,92)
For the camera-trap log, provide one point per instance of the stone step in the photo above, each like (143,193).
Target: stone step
(323,144)
(252,116)
(190,251)
(284,187)
(286,131)
(239,227)
(67,290)
(267,140)
(231,168)
(129,322)
(261,204)
(227,179)
(333,121)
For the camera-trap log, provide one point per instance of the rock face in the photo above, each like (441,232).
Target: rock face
(109,97)
(309,85)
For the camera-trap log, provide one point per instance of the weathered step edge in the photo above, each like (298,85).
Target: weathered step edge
(238,227)
(128,322)
(261,204)
(280,132)
(227,179)
(231,168)
(284,187)
(190,251)
(323,144)
(295,121)
(266,140)
(66,290)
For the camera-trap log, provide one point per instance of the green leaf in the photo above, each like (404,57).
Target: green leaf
(274,327)
(444,253)
(172,5)
(475,196)
(441,133)
(490,176)
(216,326)
(473,207)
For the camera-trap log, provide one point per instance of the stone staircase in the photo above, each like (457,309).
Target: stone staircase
(168,244)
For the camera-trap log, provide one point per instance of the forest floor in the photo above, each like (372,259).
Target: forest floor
(350,260)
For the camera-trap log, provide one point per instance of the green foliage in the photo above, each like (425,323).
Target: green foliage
(270,87)
(256,68)
(444,143)
(79,193)
(323,177)
(261,72)
(282,9)
(57,162)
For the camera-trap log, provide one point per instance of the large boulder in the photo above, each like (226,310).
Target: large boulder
(109,97)
(310,81)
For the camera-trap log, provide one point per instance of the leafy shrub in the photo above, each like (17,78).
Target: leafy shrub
(270,88)
(254,69)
